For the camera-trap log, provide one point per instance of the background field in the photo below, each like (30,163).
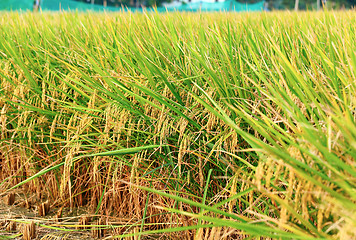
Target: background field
(218,125)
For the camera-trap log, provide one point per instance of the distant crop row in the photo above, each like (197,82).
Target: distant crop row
(216,125)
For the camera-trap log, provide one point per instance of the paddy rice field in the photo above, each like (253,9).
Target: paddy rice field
(178,125)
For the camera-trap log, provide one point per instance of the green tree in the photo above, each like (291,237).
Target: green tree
(272,4)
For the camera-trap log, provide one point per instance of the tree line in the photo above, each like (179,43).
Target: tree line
(309,4)
(272,4)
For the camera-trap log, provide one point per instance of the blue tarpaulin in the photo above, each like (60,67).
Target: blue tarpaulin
(56,5)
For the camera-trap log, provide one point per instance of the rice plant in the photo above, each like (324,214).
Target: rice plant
(181,125)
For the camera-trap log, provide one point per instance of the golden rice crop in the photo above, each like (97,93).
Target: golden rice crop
(214,125)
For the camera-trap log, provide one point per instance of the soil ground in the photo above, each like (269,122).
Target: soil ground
(16,216)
